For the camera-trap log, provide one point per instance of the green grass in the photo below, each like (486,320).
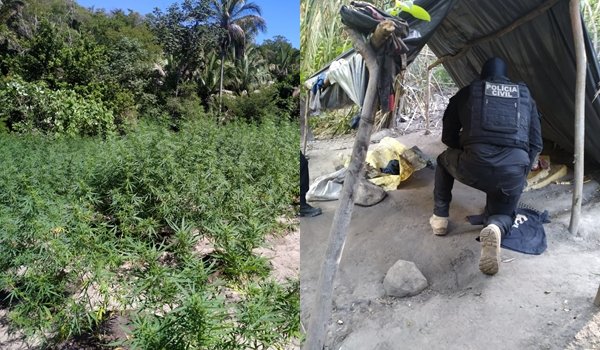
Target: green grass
(95,226)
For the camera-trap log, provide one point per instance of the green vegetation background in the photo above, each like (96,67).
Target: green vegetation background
(118,159)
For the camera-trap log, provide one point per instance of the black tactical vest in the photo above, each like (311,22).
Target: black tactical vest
(500,114)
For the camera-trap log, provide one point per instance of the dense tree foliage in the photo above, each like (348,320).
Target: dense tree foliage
(168,65)
(186,37)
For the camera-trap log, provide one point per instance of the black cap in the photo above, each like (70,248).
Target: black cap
(493,67)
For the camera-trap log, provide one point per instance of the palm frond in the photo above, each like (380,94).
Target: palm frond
(236,32)
(252,23)
(249,7)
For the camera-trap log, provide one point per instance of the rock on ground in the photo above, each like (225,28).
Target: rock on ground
(404,279)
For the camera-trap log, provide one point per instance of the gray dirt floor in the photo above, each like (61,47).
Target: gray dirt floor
(534,302)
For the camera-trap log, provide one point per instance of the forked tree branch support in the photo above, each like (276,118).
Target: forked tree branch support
(321,311)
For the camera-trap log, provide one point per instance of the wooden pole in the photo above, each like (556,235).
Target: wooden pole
(400,97)
(319,319)
(579,115)
(304,136)
(597,300)
(427,101)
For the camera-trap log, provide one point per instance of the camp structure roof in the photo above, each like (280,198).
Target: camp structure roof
(534,37)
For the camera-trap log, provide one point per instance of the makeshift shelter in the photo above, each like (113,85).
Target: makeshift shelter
(535,39)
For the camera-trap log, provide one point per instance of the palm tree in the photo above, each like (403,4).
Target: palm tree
(238,18)
(250,72)
(208,78)
(283,61)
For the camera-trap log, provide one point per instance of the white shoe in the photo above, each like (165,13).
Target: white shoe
(439,225)
(490,249)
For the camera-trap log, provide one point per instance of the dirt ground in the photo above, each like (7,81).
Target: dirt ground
(534,302)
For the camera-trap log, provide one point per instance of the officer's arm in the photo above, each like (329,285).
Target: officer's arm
(451,121)
(535,135)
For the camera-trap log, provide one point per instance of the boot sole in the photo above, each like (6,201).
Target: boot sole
(490,251)
(310,215)
(440,232)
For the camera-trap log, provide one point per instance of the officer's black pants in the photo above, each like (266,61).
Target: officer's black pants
(303,178)
(502,185)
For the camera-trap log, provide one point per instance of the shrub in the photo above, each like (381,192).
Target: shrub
(286,102)
(27,107)
(182,109)
(253,106)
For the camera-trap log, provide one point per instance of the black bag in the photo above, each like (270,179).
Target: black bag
(365,17)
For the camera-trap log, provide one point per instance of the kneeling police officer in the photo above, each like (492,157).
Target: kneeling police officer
(492,128)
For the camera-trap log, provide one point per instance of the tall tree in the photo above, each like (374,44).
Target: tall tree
(185,36)
(283,58)
(250,72)
(239,19)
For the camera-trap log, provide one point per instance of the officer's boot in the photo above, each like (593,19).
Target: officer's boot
(439,225)
(490,249)
(309,211)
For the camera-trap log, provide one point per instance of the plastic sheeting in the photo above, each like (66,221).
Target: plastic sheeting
(329,186)
(540,53)
(381,154)
(350,77)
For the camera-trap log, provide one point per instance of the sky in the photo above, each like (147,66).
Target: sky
(282,16)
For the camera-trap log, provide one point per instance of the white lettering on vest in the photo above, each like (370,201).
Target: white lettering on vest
(501,90)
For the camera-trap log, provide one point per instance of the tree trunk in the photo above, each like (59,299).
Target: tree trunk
(221,83)
(579,115)
(321,312)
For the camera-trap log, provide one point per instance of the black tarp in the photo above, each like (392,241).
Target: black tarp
(539,52)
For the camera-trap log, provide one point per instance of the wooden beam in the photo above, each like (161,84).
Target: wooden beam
(427,102)
(321,308)
(304,135)
(509,28)
(579,114)
(400,94)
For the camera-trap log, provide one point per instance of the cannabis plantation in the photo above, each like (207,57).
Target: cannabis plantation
(94,227)
(134,192)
